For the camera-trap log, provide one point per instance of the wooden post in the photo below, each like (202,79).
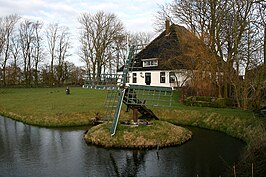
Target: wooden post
(135,114)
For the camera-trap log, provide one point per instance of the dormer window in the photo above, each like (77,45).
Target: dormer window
(151,62)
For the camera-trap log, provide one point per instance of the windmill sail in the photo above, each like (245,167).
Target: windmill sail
(136,97)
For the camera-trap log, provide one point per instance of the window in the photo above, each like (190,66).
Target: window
(134,79)
(150,62)
(172,77)
(148,78)
(162,77)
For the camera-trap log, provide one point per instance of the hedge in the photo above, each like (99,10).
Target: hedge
(204,101)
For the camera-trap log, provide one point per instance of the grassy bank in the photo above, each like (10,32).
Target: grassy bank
(237,123)
(52,107)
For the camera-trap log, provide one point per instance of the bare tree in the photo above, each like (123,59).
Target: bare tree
(202,19)
(7,28)
(62,52)
(30,44)
(37,50)
(58,38)
(2,35)
(98,33)
(227,28)
(73,74)
(26,38)
(85,55)
(140,38)
(52,38)
(256,73)
(164,13)
(117,52)
(234,28)
(15,52)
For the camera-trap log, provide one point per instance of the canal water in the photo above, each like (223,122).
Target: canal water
(29,151)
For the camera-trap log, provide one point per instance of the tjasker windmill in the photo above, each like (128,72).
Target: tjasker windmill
(135,97)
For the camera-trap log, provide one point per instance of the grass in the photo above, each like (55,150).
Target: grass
(158,134)
(52,107)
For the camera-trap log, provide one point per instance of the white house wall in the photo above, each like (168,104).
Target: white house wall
(181,77)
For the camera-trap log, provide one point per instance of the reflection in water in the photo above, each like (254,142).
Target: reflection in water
(131,165)
(31,151)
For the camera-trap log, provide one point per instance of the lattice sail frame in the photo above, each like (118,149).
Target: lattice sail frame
(103,81)
(148,95)
(131,95)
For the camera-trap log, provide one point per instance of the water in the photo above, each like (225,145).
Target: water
(29,151)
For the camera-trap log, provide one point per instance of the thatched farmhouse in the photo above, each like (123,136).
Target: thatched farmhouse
(172,59)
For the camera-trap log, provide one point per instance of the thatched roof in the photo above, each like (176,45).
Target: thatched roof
(179,49)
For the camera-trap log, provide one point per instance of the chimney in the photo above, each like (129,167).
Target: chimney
(167,27)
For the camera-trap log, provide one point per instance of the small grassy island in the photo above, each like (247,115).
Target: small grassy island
(156,134)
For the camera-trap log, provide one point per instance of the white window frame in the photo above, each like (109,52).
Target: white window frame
(151,62)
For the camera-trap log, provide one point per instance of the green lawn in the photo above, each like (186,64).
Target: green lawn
(52,107)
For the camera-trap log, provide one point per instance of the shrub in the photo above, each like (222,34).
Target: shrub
(204,101)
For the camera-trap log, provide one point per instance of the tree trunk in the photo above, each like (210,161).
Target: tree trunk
(36,74)
(264,64)
(5,60)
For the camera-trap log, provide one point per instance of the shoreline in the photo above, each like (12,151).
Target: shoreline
(51,107)
(250,131)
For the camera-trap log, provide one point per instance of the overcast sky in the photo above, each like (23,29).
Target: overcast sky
(136,15)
